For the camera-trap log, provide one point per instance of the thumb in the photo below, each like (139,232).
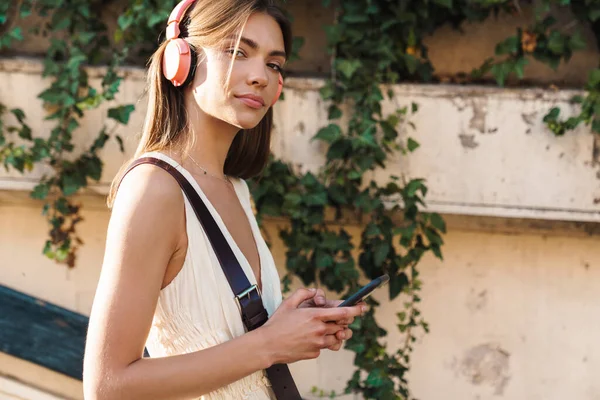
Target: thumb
(299,296)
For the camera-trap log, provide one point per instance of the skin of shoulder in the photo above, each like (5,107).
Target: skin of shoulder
(143,234)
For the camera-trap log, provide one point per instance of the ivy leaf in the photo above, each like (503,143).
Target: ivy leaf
(324,260)
(120,142)
(413,186)
(348,67)
(397,284)
(411,63)
(125,20)
(594,78)
(121,114)
(444,3)
(520,67)
(381,252)
(594,14)
(93,167)
(316,199)
(500,72)
(19,114)
(329,134)
(552,115)
(100,141)
(338,150)
(556,42)
(40,191)
(334,112)
(70,184)
(508,46)
(292,199)
(62,206)
(47,251)
(577,42)
(297,43)
(25,133)
(375,379)
(438,222)
(412,144)
(16,33)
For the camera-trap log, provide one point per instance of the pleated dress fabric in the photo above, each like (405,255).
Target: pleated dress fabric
(197,310)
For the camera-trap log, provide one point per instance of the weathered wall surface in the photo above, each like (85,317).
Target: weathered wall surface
(513,315)
(484,151)
(451,51)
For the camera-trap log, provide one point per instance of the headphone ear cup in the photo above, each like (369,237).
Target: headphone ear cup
(176,61)
(279,89)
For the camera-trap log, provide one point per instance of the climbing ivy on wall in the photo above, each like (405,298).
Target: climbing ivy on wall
(373,44)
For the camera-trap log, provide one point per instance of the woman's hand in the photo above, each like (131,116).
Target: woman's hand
(296,333)
(319,300)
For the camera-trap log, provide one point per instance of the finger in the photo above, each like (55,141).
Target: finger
(298,297)
(341,335)
(333,329)
(348,334)
(333,303)
(320,299)
(347,321)
(362,303)
(338,313)
(328,341)
(336,346)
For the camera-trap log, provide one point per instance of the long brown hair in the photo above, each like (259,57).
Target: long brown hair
(207,23)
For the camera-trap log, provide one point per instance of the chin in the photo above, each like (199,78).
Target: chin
(247,121)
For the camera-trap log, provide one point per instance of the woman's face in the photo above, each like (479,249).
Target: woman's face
(255,73)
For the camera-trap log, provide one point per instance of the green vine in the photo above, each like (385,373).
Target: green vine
(393,239)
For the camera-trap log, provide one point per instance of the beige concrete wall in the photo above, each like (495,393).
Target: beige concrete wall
(513,314)
(22,380)
(484,151)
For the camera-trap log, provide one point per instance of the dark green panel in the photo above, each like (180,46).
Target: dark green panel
(42,333)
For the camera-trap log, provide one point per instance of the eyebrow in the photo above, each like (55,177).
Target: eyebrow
(254,46)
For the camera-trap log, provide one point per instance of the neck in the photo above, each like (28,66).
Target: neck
(213,138)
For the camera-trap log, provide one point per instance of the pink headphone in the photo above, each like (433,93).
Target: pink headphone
(178,57)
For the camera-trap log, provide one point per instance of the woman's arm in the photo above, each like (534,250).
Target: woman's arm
(143,234)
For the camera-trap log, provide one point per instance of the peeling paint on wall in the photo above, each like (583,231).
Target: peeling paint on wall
(596,151)
(477,301)
(529,118)
(487,364)
(479,111)
(468,141)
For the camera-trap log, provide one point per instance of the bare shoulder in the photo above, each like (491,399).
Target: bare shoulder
(149,183)
(149,201)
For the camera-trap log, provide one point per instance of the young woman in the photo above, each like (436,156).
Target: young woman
(161,285)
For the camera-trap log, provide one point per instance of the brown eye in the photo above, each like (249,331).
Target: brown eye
(238,53)
(275,67)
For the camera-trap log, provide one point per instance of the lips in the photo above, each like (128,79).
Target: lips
(252,100)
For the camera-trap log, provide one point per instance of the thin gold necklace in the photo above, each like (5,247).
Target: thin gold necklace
(225,179)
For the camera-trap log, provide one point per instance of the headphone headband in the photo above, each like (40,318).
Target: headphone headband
(176,17)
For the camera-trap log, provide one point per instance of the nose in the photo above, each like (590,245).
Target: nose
(258,75)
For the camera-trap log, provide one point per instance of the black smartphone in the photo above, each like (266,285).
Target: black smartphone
(365,291)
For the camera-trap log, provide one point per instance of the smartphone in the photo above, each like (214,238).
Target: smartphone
(365,291)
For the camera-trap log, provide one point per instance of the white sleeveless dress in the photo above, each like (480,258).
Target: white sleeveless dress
(197,309)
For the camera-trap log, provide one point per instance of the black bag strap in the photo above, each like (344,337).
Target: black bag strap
(248,296)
